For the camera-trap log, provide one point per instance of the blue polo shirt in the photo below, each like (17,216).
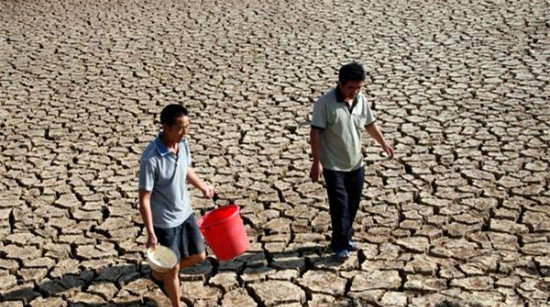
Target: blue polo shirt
(164,174)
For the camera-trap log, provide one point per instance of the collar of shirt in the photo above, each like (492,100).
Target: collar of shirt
(340,98)
(163,150)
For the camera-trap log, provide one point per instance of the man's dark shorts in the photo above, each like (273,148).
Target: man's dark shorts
(185,240)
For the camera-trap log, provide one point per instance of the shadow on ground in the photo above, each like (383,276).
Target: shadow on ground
(129,284)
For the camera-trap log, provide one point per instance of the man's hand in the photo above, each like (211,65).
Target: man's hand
(208,191)
(152,240)
(388,149)
(316,171)
(375,132)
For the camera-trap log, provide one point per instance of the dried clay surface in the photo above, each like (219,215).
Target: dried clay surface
(460,217)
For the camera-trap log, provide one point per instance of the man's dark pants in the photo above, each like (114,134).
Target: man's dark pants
(344,195)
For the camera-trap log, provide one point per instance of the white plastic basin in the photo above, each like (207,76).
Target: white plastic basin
(161,259)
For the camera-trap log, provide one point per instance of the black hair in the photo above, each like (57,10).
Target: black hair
(171,112)
(351,72)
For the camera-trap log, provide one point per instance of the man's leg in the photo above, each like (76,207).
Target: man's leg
(170,237)
(339,214)
(193,249)
(191,260)
(172,285)
(354,185)
(170,282)
(192,244)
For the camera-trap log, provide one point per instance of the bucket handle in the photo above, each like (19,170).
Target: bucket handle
(215,199)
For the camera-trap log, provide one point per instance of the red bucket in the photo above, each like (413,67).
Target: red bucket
(223,230)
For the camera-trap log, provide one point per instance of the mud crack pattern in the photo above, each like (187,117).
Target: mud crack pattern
(461,88)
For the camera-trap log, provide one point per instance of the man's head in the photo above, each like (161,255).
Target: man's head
(175,122)
(351,78)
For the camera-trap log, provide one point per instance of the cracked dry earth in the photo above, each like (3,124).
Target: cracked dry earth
(461,216)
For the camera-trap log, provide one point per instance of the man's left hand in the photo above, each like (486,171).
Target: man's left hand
(208,191)
(389,150)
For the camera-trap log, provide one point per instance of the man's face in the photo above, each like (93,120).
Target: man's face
(351,89)
(178,130)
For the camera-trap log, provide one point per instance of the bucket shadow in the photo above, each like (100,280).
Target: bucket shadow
(264,262)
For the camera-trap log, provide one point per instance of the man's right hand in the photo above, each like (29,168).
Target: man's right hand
(316,171)
(152,240)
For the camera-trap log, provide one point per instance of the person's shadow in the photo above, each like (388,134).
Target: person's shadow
(129,284)
(116,285)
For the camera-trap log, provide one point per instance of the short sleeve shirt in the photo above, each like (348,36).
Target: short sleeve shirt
(164,174)
(341,130)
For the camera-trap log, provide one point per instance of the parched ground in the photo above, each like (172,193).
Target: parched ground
(461,216)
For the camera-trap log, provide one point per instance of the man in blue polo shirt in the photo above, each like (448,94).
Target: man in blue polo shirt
(165,206)
(339,118)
